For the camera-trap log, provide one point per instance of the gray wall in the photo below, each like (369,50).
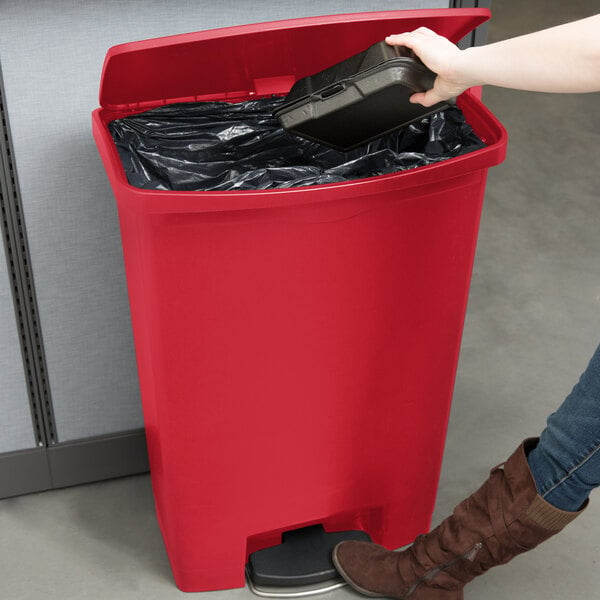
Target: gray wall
(51,56)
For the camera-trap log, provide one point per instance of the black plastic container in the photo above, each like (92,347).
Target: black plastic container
(358,99)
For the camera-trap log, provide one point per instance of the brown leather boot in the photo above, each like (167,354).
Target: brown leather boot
(503,518)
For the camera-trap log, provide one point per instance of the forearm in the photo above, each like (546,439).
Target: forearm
(561,59)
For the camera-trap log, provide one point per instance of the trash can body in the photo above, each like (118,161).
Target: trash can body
(296,348)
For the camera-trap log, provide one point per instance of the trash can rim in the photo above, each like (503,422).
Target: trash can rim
(153,201)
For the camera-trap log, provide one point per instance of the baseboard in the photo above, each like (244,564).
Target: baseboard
(95,459)
(24,472)
(73,463)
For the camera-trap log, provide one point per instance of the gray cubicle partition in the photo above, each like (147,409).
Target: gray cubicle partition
(69,395)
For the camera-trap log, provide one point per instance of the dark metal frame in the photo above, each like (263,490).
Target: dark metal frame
(23,289)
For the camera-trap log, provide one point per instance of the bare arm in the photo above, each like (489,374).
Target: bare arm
(565,59)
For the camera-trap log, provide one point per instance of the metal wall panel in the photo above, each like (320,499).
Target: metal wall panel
(16,427)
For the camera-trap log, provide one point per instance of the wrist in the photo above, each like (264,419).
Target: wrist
(465,71)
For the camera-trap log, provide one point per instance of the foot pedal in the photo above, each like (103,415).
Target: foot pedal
(302,559)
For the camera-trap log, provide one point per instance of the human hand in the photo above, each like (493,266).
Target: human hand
(441,56)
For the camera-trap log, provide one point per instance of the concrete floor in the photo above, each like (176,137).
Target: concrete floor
(531,327)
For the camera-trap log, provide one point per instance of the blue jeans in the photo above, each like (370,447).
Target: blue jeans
(566,462)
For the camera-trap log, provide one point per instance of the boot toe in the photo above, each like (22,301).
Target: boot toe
(359,563)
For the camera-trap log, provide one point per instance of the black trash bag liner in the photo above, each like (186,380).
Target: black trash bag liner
(214,146)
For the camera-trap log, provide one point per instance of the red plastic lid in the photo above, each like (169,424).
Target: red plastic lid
(261,59)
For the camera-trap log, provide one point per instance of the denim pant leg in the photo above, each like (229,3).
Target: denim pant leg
(566,462)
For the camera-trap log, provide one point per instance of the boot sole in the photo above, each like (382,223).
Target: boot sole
(348,579)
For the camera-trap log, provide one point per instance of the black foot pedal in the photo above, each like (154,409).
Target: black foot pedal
(302,558)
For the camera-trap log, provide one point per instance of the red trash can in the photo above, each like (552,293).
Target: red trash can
(296,348)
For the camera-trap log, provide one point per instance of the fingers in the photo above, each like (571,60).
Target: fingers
(411,39)
(418,98)
(424,43)
(426,99)
(440,55)
(410,36)
(415,40)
